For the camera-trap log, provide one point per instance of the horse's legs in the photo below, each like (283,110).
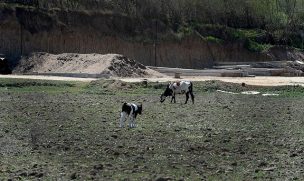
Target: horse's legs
(187,97)
(192,97)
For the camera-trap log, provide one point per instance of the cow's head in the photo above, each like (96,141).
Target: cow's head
(168,92)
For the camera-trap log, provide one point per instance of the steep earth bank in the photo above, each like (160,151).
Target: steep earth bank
(26,30)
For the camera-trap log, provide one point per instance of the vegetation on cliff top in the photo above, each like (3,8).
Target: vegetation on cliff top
(257,23)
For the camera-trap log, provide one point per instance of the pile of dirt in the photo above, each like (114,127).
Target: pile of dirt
(284,53)
(296,67)
(113,65)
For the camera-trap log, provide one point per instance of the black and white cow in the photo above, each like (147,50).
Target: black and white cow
(182,87)
(130,110)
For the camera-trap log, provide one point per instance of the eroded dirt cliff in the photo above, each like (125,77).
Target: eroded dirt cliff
(26,30)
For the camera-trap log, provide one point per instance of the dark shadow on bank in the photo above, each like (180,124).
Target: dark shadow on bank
(5,68)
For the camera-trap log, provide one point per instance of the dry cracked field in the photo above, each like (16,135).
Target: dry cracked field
(52,130)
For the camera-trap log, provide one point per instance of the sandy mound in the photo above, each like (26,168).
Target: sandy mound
(110,64)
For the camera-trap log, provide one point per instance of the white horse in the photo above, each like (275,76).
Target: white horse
(182,87)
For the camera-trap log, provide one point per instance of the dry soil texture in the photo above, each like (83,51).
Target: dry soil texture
(69,131)
(72,63)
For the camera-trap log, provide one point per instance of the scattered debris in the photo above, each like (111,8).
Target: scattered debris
(226,92)
(270,94)
(250,92)
(177,75)
(269,169)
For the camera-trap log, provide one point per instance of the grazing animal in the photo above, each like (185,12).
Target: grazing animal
(129,110)
(182,87)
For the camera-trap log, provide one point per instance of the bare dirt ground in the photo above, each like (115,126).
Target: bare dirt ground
(43,77)
(68,129)
(57,130)
(262,81)
(119,67)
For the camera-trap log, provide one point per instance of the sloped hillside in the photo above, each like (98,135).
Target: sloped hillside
(158,36)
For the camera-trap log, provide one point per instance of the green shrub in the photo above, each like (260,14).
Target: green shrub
(255,47)
(214,39)
(185,30)
(243,34)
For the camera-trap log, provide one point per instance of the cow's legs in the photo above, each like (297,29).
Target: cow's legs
(192,97)
(123,116)
(131,121)
(134,122)
(187,97)
(173,98)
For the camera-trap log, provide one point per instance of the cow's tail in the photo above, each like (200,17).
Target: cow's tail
(191,87)
(191,92)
